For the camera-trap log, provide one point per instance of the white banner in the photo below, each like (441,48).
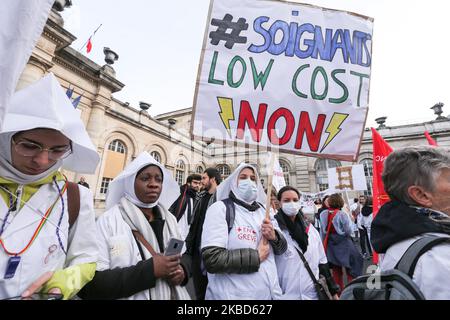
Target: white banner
(350,178)
(21,25)
(278,177)
(284,75)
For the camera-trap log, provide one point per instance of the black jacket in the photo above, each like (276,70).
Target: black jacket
(396,221)
(178,208)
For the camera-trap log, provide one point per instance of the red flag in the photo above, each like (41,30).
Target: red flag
(89,45)
(431,141)
(381,149)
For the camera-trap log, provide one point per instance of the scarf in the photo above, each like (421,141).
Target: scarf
(297,229)
(396,221)
(135,218)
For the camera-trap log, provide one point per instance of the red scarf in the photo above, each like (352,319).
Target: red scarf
(330,227)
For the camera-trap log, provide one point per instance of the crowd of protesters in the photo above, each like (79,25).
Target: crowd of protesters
(234,247)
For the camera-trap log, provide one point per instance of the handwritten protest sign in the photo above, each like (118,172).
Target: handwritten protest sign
(350,178)
(284,75)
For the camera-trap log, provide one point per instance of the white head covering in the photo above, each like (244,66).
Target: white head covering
(44,104)
(123,184)
(231,184)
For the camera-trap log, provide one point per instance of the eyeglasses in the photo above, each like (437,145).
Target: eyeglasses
(31,149)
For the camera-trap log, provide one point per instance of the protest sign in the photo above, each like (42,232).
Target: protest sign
(284,75)
(350,178)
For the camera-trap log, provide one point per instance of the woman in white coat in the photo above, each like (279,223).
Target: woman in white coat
(40,249)
(301,236)
(239,254)
(133,234)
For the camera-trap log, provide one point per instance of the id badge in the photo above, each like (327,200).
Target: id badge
(11,267)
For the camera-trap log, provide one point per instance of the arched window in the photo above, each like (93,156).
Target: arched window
(156,156)
(368,172)
(285,167)
(322,166)
(180,172)
(199,170)
(117,146)
(114,163)
(224,170)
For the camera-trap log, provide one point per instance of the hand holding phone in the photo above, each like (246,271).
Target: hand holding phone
(174,247)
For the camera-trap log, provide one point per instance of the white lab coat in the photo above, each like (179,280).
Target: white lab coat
(246,233)
(117,245)
(295,280)
(45,254)
(432,270)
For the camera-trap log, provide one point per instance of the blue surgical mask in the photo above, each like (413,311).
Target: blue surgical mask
(247,190)
(291,208)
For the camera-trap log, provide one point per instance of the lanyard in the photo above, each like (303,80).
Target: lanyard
(39,227)
(12,207)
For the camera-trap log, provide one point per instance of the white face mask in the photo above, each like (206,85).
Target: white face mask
(291,208)
(247,190)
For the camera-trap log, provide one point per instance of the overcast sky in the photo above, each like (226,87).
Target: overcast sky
(159,44)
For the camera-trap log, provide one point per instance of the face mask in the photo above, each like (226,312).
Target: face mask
(247,190)
(291,208)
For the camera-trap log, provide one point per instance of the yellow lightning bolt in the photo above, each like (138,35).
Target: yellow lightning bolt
(334,127)
(226,112)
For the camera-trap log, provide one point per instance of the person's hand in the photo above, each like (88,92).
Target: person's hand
(165,267)
(178,277)
(38,284)
(263,249)
(335,297)
(268,231)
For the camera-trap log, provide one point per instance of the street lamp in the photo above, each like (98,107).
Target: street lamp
(110,56)
(144,105)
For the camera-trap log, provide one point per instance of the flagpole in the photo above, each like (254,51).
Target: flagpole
(90,37)
(269,184)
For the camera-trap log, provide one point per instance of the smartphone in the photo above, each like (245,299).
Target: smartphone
(40,296)
(174,247)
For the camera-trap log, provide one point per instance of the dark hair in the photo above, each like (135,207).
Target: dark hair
(287,188)
(194,176)
(335,201)
(355,200)
(154,165)
(369,201)
(214,173)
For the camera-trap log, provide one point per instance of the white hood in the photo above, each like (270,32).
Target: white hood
(44,104)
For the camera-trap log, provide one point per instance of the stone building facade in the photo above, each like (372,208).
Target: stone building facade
(120,131)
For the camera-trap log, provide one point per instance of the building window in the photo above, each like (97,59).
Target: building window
(285,168)
(105,185)
(199,170)
(179,172)
(156,156)
(224,170)
(368,172)
(322,166)
(117,146)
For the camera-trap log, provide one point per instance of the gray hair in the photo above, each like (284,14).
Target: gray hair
(410,166)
